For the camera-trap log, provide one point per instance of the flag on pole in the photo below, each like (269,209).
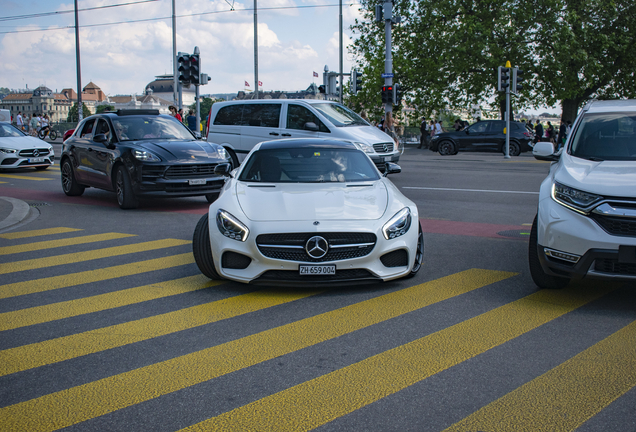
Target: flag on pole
(247,84)
(316,74)
(260,83)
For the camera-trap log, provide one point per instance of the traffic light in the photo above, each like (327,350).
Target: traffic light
(195,69)
(185,72)
(322,90)
(397,94)
(517,80)
(387,94)
(356,81)
(503,78)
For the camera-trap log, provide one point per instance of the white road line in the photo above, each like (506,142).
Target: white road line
(469,190)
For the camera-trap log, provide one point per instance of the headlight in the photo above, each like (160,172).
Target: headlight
(367,148)
(435,137)
(221,153)
(398,225)
(230,226)
(7,150)
(145,156)
(572,198)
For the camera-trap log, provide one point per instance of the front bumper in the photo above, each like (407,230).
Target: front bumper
(23,162)
(178,188)
(380,159)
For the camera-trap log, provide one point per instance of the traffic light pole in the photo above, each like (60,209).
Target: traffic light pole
(507,150)
(388,56)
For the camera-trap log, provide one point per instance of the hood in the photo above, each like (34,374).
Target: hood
(181,151)
(366,134)
(22,143)
(609,178)
(312,201)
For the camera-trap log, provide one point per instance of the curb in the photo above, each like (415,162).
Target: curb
(19,213)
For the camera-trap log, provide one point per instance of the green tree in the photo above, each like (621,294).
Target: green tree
(204,106)
(102,108)
(72,113)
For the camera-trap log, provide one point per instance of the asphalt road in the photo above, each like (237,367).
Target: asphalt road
(107,324)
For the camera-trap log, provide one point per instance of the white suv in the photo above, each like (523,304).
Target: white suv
(586,221)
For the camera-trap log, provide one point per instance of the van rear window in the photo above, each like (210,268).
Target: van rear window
(229,115)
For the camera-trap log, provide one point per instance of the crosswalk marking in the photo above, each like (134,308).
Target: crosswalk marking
(64,348)
(36,233)
(565,397)
(77,404)
(66,309)
(323,399)
(73,279)
(89,255)
(49,244)
(23,177)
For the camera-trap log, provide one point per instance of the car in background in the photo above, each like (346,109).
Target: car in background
(140,153)
(307,212)
(484,135)
(67,134)
(19,150)
(586,219)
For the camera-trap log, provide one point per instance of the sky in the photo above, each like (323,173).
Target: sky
(295,39)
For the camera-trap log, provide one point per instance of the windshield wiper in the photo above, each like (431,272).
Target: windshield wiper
(593,158)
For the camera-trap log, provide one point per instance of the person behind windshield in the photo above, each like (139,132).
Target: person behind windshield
(120,130)
(155,131)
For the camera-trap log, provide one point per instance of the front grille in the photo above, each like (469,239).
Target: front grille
(295,276)
(612,266)
(398,258)
(31,152)
(190,171)
(291,247)
(185,187)
(9,161)
(233,260)
(618,226)
(152,172)
(380,148)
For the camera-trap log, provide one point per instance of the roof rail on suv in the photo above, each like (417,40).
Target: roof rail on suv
(125,112)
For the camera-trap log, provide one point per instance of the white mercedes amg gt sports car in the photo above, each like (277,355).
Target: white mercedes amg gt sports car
(308,212)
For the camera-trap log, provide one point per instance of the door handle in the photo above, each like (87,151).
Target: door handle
(274,133)
(286,134)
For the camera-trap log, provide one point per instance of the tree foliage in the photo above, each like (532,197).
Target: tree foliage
(102,108)
(72,113)
(446,52)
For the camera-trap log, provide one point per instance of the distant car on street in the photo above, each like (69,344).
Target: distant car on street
(140,153)
(484,135)
(19,150)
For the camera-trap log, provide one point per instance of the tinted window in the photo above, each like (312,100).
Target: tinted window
(606,136)
(298,115)
(497,127)
(102,128)
(261,115)
(229,115)
(478,127)
(6,130)
(140,127)
(87,129)
(339,115)
(308,165)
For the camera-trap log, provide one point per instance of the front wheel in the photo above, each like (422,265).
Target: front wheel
(53,134)
(541,278)
(211,197)
(69,184)
(446,148)
(419,253)
(123,187)
(202,250)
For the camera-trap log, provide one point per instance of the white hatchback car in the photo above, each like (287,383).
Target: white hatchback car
(308,212)
(18,150)
(586,221)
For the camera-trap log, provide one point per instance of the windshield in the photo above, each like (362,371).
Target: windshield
(606,136)
(6,130)
(140,127)
(340,115)
(308,165)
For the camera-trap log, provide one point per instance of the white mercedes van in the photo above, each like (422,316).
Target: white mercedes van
(240,125)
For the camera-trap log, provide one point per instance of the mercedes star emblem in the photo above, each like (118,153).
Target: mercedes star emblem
(316,247)
(36,153)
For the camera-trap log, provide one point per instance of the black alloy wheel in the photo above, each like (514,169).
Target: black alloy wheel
(69,184)
(541,278)
(419,253)
(446,148)
(514,149)
(123,187)
(202,250)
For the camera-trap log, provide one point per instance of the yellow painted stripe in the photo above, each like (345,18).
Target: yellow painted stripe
(64,281)
(40,232)
(567,396)
(324,399)
(89,255)
(66,309)
(64,348)
(77,404)
(23,177)
(30,247)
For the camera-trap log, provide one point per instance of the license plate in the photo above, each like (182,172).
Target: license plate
(317,270)
(197,182)
(387,159)
(35,160)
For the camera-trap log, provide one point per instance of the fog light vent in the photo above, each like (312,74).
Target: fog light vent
(562,255)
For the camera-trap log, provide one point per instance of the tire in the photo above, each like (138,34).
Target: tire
(446,148)
(419,253)
(53,134)
(69,184)
(211,197)
(540,278)
(202,250)
(233,159)
(42,134)
(123,187)
(514,149)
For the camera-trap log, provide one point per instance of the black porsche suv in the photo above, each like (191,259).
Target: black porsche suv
(139,153)
(484,135)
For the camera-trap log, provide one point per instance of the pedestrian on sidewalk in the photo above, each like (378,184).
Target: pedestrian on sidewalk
(425,135)
(19,121)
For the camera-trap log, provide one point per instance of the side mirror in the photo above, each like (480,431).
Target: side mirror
(544,151)
(223,169)
(391,168)
(311,126)
(100,138)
